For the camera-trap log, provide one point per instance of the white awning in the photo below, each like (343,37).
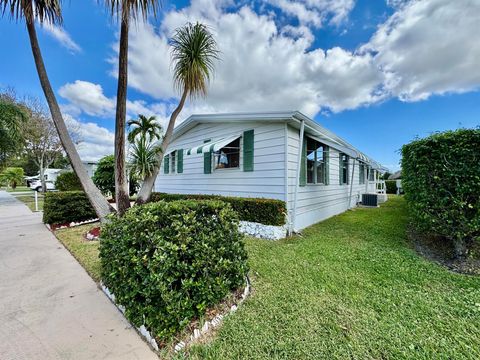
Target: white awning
(210,146)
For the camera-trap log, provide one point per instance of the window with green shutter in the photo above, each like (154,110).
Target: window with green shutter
(166,164)
(343,167)
(207,160)
(248,141)
(180,161)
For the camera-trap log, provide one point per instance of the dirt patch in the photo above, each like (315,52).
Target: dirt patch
(442,251)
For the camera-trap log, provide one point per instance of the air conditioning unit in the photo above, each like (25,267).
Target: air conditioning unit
(370,200)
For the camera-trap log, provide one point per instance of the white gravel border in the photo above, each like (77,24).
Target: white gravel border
(207,327)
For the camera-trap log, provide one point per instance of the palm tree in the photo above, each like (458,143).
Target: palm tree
(143,153)
(144,127)
(50,11)
(125,10)
(12,116)
(143,158)
(194,51)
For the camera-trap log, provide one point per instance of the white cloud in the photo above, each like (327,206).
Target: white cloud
(429,47)
(87,97)
(426,47)
(62,37)
(263,67)
(96,141)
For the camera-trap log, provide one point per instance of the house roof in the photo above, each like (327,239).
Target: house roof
(293,118)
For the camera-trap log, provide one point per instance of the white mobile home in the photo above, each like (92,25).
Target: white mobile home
(278,155)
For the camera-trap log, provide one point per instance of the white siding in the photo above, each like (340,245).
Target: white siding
(267,180)
(318,202)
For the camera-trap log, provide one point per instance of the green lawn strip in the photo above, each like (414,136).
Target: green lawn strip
(351,287)
(29,200)
(18,189)
(86,252)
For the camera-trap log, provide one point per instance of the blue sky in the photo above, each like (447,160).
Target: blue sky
(378,73)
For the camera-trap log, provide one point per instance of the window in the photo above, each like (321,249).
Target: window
(361,173)
(173,158)
(371,174)
(343,169)
(229,156)
(316,162)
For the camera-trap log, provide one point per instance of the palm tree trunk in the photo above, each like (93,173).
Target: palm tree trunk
(147,186)
(99,203)
(121,186)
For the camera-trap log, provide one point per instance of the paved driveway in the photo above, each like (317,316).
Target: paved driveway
(49,307)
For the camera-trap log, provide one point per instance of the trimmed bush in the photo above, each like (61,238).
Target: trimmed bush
(167,262)
(260,210)
(391,186)
(441,180)
(68,181)
(65,207)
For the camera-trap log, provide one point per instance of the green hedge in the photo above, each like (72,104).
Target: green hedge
(264,211)
(167,262)
(441,180)
(67,206)
(68,181)
(391,186)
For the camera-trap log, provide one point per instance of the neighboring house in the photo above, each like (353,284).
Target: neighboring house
(90,166)
(396,175)
(278,155)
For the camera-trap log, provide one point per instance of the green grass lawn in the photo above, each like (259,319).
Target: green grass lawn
(17,189)
(86,252)
(29,200)
(351,287)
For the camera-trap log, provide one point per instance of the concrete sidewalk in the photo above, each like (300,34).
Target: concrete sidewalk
(49,307)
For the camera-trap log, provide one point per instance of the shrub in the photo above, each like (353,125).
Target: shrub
(104,177)
(168,262)
(391,186)
(65,207)
(264,211)
(441,180)
(68,181)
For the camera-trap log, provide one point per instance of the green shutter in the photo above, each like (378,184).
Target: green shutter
(248,150)
(180,161)
(326,157)
(303,163)
(166,164)
(207,161)
(340,167)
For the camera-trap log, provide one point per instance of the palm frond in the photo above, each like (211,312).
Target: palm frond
(143,158)
(194,51)
(134,8)
(147,128)
(41,10)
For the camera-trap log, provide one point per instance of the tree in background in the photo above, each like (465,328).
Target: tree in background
(50,11)
(12,176)
(12,116)
(143,136)
(125,10)
(104,177)
(42,143)
(68,181)
(194,51)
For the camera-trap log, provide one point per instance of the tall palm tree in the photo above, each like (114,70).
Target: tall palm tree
(50,11)
(144,127)
(125,10)
(194,51)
